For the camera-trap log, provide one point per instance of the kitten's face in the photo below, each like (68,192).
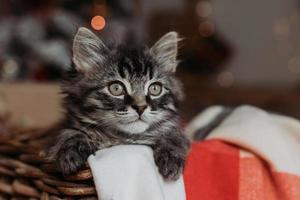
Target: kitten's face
(130,90)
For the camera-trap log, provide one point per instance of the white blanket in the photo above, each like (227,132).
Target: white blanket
(128,172)
(275,138)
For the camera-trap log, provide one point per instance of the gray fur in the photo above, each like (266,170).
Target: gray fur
(88,49)
(165,50)
(95,119)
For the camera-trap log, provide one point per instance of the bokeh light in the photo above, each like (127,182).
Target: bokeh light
(9,69)
(206,28)
(204,8)
(98,22)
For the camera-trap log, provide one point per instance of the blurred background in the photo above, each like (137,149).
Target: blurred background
(233,52)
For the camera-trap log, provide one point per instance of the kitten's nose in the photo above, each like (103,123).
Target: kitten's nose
(139,109)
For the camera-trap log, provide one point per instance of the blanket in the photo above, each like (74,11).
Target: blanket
(250,155)
(128,172)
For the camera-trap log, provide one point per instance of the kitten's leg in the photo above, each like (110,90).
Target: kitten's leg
(170,152)
(70,150)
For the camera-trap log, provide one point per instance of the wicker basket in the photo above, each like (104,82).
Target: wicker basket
(24,174)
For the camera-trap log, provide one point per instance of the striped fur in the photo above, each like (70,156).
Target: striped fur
(95,119)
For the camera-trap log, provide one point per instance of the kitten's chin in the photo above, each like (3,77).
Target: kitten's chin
(134,127)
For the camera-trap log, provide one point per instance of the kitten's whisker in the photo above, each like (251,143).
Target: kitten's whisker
(122,113)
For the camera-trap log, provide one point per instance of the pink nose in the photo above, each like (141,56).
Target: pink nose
(139,109)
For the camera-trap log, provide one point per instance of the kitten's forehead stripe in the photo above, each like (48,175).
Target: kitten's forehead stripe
(121,70)
(127,65)
(134,62)
(150,72)
(145,67)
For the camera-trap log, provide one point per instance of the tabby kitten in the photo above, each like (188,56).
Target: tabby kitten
(121,96)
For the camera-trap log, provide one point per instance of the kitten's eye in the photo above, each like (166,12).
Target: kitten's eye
(116,89)
(155,89)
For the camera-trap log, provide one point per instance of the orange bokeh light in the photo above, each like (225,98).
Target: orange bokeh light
(98,22)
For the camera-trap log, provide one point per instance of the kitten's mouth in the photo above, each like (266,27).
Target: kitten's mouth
(139,119)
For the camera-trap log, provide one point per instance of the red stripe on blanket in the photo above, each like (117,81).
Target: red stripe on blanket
(212,171)
(259,182)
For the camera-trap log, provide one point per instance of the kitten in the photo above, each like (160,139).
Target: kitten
(121,96)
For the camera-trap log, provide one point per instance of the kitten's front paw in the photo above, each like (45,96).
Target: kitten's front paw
(70,162)
(72,159)
(169,165)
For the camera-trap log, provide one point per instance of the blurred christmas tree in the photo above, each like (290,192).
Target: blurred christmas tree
(36,35)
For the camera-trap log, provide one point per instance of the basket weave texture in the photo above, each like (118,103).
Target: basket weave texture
(25,174)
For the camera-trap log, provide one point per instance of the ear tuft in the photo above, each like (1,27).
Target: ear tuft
(165,51)
(88,50)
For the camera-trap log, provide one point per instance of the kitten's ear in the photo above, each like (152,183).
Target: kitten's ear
(165,51)
(88,50)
